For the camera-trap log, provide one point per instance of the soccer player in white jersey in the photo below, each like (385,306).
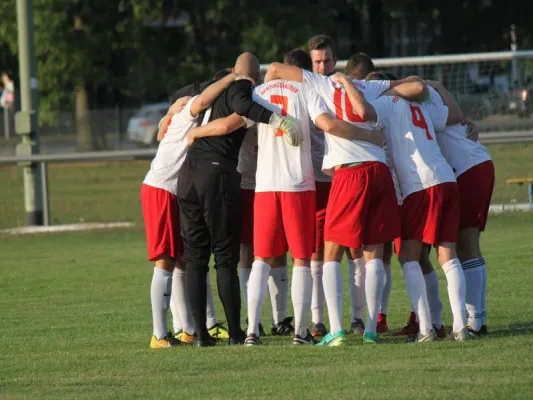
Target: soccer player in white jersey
(362,210)
(474,171)
(284,209)
(430,210)
(278,282)
(161,217)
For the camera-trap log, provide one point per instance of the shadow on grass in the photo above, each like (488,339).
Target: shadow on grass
(523,328)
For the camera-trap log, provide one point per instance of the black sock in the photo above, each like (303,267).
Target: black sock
(230,295)
(197,293)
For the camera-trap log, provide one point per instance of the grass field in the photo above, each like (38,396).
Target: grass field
(104,192)
(76,324)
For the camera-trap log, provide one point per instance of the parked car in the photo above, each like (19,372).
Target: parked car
(142,127)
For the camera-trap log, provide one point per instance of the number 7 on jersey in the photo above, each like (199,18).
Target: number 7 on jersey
(283,101)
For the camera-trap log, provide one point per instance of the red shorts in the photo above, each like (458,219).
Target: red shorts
(362,206)
(161,222)
(431,215)
(322,196)
(284,221)
(247,230)
(475,193)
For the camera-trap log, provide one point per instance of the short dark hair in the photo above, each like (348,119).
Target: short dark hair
(376,76)
(221,74)
(299,58)
(322,42)
(359,65)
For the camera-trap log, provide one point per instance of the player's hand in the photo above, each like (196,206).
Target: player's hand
(240,77)
(178,105)
(472,131)
(191,136)
(290,130)
(341,78)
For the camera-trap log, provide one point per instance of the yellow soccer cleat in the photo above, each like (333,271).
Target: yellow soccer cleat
(185,338)
(218,331)
(167,341)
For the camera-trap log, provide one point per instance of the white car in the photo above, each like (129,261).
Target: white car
(142,127)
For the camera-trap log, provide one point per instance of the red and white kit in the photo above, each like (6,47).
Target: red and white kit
(472,166)
(284,209)
(430,210)
(158,191)
(362,208)
(247,168)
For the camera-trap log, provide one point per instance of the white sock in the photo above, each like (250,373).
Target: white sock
(257,287)
(211,313)
(176,321)
(374,290)
(317,306)
(333,292)
(360,277)
(160,296)
(244,276)
(435,305)
(278,286)
(456,292)
(484,291)
(416,289)
(180,303)
(301,292)
(473,272)
(387,287)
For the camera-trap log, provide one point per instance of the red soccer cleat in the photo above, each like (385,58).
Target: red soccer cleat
(381,326)
(411,328)
(440,332)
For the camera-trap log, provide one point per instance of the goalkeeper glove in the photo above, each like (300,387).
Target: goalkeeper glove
(290,130)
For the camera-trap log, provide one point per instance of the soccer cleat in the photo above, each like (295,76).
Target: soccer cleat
(218,331)
(370,338)
(163,343)
(308,339)
(411,328)
(185,338)
(483,331)
(261,329)
(252,340)
(318,329)
(461,336)
(430,337)
(336,340)
(440,332)
(381,326)
(358,327)
(283,328)
(208,342)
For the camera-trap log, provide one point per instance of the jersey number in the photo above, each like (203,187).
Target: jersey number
(350,114)
(283,101)
(419,121)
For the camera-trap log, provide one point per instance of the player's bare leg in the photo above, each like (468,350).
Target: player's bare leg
(356,284)
(471,257)
(375,273)
(432,291)
(416,287)
(333,292)
(382,326)
(160,291)
(456,288)
(278,287)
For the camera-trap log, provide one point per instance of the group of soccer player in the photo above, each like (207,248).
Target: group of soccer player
(362,163)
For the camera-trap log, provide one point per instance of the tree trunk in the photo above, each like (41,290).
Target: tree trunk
(84,134)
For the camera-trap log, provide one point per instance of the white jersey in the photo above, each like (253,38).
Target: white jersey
(171,152)
(410,137)
(281,167)
(460,152)
(338,150)
(248,159)
(318,147)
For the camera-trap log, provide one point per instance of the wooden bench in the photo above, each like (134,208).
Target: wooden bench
(521,181)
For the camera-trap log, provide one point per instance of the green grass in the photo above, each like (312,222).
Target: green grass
(76,323)
(104,192)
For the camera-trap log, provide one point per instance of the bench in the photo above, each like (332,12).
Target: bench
(521,181)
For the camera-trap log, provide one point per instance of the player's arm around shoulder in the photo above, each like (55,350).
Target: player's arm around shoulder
(218,127)
(413,90)
(284,71)
(364,109)
(455,114)
(174,109)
